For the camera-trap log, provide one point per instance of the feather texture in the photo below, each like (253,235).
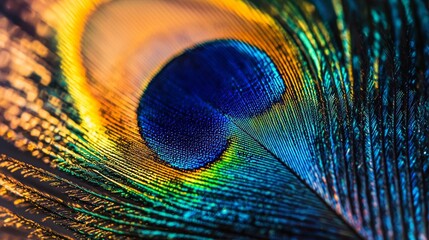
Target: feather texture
(214,119)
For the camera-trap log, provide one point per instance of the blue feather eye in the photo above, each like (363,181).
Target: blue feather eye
(215,119)
(187,112)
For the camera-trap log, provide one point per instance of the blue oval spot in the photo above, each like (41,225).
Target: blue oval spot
(185,112)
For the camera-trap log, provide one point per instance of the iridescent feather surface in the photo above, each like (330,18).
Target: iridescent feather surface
(214,119)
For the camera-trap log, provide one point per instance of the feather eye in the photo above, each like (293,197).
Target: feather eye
(214,119)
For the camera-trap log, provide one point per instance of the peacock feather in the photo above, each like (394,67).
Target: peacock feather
(214,119)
